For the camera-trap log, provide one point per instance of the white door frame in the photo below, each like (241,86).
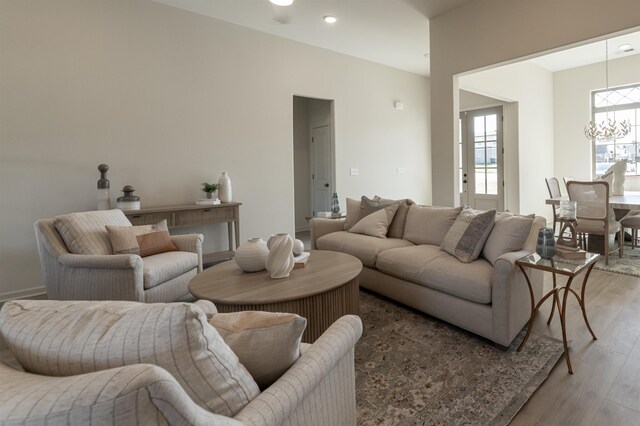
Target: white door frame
(467,159)
(331,180)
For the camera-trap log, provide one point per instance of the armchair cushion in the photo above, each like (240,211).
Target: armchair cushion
(64,338)
(85,233)
(163,267)
(267,343)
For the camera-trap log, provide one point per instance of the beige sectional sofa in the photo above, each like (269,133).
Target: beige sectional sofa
(488,296)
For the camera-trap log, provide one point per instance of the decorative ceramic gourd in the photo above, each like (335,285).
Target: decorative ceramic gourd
(298,247)
(280,260)
(252,255)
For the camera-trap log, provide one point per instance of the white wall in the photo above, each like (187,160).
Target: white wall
(483,33)
(532,88)
(170,99)
(572,110)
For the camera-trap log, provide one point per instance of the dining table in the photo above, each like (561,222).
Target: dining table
(621,204)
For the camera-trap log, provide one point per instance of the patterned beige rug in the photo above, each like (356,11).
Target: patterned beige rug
(412,369)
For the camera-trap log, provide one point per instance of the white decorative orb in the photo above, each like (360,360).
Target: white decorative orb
(298,247)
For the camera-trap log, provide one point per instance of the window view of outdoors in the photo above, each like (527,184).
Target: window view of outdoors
(618,104)
(486,154)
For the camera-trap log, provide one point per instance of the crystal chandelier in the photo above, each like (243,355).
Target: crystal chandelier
(608,129)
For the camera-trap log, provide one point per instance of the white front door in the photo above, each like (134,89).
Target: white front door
(320,169)
(481,159)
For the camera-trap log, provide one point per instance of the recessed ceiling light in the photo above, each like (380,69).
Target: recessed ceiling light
(330,19)
(624,47)
(282,2)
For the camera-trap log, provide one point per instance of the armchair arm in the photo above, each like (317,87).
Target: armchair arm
(136,394)
(95,277)
(511,300)
(324,371)
(191,243)
(321,226)
(109,261)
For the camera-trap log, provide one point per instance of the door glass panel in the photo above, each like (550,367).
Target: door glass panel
(492,180)
(480,181)
(491,126)
(479,156)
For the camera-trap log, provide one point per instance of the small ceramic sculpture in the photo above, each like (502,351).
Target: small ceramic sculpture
(252,255)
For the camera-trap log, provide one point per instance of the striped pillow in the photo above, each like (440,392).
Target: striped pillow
(467,235)
(64,338)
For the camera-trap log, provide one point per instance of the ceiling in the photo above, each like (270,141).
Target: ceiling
(389,32)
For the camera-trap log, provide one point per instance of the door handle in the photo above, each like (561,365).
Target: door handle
(464,181)
(326,185)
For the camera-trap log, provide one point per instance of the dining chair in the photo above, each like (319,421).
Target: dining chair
(632,221)
(594,214)
(567,179)
(554,192)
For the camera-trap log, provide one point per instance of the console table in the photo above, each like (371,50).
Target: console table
(195,215)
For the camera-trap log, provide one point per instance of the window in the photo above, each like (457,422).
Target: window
(620,103)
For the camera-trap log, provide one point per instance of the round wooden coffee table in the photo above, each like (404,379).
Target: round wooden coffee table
(323,291)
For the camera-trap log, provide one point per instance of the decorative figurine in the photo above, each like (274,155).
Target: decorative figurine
(104,198)
(128,201)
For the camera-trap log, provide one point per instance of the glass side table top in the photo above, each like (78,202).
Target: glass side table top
(570,267)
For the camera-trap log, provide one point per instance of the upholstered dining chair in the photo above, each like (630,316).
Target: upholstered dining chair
(554,192)
(566,179)
(78,263)
(632,221)
(594,214)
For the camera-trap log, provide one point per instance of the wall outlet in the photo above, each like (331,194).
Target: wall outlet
(401,170)
(353,172)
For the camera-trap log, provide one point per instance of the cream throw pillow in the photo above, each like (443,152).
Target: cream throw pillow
(65,338)
(376,224)
(468,233)
(85,233)
(396,229)
(267,343)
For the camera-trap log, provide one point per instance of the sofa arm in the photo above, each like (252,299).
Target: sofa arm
(321,226)
(511,300)
(191,243)
(324,371)
(136,394)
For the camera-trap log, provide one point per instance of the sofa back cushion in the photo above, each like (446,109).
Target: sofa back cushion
(509,234)
(396,229)
(428,224)
(64,338)
(353,213)
(467,235)
(85,232)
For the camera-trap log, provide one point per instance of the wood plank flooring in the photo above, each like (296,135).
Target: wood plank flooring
(605,386)
(605,389)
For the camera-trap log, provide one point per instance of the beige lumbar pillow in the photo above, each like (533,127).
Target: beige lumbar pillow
(143,240)
(376,224)
(267,343)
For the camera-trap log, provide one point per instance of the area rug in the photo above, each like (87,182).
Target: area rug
(628,264)
(412,369)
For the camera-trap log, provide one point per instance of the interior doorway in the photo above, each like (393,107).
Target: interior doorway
(314,157)
(481,159)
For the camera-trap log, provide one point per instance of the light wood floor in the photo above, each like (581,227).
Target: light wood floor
(605,386)
(605,389)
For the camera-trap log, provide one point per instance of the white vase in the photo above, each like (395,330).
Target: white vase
(280,259)
(252,255)
(224,188)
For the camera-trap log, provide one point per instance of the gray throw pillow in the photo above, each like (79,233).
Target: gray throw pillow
(368,206)
(467,235)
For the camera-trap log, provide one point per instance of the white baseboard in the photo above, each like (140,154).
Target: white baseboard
(22,294)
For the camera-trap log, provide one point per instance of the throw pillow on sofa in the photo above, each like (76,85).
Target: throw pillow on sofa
(376,224)
(429,225)
(65,338)
(467,235)
(353,213)
(509,234)
(84,232)
(267,343)
(396,229)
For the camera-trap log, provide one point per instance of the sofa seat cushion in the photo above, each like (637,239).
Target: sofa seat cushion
(363,247)
(163,267)
(429,266)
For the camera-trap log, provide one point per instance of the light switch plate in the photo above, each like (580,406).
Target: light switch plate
(353,172)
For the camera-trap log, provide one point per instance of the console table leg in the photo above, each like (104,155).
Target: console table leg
(236,224)
(230,235)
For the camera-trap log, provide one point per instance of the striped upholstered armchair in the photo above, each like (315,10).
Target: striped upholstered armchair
(78,260)
(128,363)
